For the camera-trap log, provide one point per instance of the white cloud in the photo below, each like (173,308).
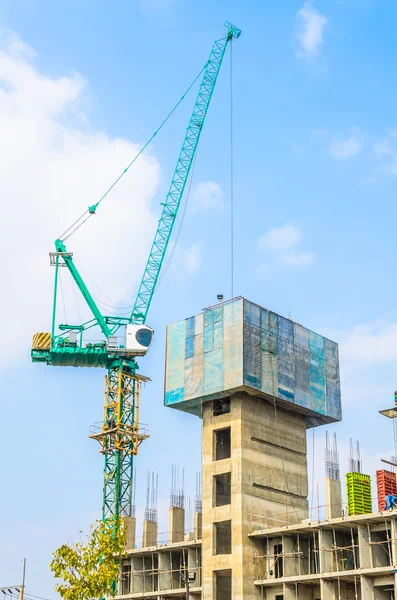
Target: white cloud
(310,26)
(298,259)
(384,149)
(342,148)
(281,247)
(182,262)
(370,343)
(207,195)
(51,169)
(280,238)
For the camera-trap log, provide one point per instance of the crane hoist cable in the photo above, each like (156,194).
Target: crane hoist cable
(92,209)
(231,175)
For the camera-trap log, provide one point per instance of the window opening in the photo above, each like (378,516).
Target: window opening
(222,442)
(223,537)
(221,406)
(125,579)
(278,560)
(223,492)
(223,585)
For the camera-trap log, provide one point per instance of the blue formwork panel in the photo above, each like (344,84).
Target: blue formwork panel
(238,345)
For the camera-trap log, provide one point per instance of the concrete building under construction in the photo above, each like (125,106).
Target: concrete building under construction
(258,381)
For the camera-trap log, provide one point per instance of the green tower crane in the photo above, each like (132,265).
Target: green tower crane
(120,434)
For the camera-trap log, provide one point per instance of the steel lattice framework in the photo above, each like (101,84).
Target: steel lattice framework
(180,177)
(120,437)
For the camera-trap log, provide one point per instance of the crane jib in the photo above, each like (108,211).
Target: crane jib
(179,179)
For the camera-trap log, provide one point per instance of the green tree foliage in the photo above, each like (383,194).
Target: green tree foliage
(89,569)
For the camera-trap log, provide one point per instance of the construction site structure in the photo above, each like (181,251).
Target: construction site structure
(385,485)
(120,433)
(333,486)
(258,381)
(348,558)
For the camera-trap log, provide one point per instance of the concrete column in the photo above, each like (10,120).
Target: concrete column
(267,471)
(193,565)
(290,558)
(130,532)
(289,591)
(176,524)
(136,574)
(198,525)
(333,498)
(364,549)
(327,589)
(379,556)
(165,575)
(326,555)
(150,529)
(367,588)
(393,536)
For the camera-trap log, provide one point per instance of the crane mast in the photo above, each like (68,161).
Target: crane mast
(120,434)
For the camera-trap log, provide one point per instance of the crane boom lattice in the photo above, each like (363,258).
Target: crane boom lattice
(180,177)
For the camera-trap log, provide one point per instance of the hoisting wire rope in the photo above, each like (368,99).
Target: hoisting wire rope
(111,305)
(313,471)
(165,269)
(231,174)
(125,310)
(91,209)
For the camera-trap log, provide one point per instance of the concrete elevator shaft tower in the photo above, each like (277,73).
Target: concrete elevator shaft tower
(257,381)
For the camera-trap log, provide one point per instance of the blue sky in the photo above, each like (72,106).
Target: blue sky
(82,87)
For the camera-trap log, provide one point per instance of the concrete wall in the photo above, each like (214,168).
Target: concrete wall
(268,485)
